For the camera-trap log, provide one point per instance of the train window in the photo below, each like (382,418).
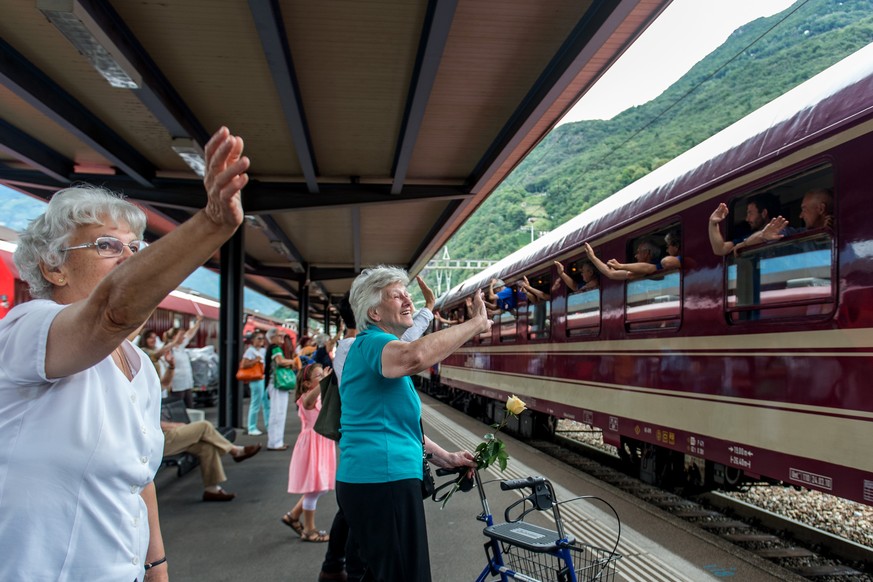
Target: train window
(653,294)
(583,304)
(507,325)
(792,276)
(654,302)
(789,278)
(539,303)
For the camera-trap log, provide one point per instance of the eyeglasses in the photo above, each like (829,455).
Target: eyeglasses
(109,246)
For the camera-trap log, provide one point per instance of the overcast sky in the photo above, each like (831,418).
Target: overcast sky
(685,33)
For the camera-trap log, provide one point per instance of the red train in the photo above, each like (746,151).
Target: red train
(754,366)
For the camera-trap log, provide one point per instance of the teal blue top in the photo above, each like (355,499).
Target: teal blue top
(381,417)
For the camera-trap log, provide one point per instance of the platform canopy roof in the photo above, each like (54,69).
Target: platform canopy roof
(375,127)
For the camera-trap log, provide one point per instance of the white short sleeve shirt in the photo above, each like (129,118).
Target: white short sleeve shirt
(77,452)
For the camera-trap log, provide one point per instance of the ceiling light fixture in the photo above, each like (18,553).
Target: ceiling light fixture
(191,152)
(281,249)
(74,21)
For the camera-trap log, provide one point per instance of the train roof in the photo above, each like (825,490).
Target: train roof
(823,105)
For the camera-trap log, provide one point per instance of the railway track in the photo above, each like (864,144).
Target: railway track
(808,552)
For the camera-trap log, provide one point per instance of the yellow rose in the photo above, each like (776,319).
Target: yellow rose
(515,405)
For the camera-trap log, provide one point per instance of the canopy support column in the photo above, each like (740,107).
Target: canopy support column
(230,394)
(303,305)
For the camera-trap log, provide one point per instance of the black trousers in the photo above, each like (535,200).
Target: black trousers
(342,551)
(386,521)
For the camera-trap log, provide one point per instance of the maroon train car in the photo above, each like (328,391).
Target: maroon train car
(746,367)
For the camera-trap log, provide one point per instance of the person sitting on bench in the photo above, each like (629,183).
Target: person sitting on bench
(204,442)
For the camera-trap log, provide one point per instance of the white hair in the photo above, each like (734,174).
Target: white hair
(41,241)
(367,290)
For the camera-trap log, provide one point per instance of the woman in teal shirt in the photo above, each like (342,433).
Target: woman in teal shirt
(380,469)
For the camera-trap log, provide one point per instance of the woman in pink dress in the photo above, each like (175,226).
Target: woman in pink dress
(312,472)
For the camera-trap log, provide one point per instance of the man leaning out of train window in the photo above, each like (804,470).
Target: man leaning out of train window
(503,297)
(816,211)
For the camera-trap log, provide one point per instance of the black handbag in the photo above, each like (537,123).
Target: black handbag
(427,483)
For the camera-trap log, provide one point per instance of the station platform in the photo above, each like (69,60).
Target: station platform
(244,539)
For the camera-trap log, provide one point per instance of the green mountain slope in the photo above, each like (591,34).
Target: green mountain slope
(579,164)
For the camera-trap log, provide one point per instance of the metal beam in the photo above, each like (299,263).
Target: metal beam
(280,273)
(34,153)
(434,34)
(268,21)
(332,273)
(33,86)
(259,198)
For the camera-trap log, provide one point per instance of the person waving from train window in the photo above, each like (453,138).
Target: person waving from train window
(647,252)
(80,403)
(380,467)
(671,262)
(590,280)
(534,295)
(816,211)
(503,297)
(761,210)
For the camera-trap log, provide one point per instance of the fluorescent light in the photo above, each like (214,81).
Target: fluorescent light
(281,249)
(75,23)
(191,152)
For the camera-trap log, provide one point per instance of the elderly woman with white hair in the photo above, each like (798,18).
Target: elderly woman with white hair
(380,468)
(80,404)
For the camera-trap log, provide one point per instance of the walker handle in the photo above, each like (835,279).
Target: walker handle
(531,482)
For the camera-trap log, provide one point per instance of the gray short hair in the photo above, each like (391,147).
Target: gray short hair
(654,250)
(367,289)
(41,241)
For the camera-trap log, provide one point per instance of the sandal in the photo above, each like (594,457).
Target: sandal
(314,536)
(292,523)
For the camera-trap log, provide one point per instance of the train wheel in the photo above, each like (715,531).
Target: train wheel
(733,477)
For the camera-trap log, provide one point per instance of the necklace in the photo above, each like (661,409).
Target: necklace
(121,362)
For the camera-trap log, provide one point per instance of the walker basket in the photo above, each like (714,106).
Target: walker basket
(591,564)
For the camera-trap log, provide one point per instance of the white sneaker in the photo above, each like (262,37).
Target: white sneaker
(255,432)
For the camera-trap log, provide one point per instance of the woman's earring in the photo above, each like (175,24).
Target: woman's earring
(61,281)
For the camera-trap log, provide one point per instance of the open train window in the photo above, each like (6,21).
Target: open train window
(792,276)
(653,295)
(537,290)
(583,297)
(507,325)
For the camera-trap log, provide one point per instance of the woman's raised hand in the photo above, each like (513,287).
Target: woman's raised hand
(225,178)
(479,310)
